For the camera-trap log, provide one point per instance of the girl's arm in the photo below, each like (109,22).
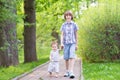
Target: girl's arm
(50,57)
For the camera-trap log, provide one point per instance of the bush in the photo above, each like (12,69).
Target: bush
(100,32)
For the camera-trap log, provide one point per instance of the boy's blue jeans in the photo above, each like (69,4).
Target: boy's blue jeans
(69,51)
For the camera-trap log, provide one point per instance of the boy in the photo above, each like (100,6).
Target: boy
(54,59)
(69,43)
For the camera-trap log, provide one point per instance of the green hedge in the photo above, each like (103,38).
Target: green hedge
(99,35)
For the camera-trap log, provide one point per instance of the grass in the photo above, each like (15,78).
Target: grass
(91,71)
(101,71)
(13,71)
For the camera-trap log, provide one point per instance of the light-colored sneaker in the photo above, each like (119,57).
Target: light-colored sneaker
(66,74)
(71,75)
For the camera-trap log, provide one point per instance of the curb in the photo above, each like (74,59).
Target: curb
(26,73)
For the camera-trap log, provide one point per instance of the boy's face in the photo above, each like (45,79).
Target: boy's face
(54,47)
(68,17)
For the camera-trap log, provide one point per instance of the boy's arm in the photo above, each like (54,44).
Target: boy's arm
(62,40)
(76,35)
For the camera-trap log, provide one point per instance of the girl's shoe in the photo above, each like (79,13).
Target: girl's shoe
(56,76)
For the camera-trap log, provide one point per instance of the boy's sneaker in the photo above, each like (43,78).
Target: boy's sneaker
(71,75)
(66,74)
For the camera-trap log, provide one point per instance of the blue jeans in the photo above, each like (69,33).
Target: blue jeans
(69,51)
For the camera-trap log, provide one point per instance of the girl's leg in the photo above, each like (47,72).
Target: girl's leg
(56,75)
(56,69)
(50,74)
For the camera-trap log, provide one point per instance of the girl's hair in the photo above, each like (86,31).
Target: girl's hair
(54,43)
(68,13)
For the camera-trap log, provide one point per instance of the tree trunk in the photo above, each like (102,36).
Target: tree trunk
(8,40)
(56,36)
(10,30)
(29,31)
(3,49)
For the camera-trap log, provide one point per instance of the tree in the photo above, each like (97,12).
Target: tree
(29,31)
(8,40)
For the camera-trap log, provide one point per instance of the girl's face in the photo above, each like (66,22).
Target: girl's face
(68,18)
(54,47)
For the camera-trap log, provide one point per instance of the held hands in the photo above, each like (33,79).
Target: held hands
(62,46)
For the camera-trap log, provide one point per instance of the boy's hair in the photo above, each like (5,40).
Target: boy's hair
(68,13)
(54,43)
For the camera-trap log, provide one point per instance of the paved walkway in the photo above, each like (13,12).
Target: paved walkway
(40,72)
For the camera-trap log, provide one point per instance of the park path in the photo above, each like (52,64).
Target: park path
(40,72)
